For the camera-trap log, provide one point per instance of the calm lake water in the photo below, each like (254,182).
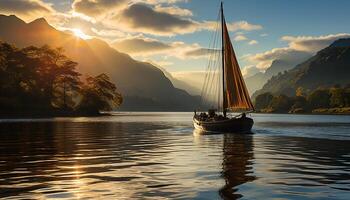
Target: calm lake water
(159,156)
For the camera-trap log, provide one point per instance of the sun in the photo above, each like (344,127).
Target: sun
(80,34)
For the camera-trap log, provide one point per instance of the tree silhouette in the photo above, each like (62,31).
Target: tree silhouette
(99,93)
(44,80)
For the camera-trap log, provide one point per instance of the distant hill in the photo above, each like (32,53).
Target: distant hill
(329,67)
(180,83)
(256,81)
(144,86)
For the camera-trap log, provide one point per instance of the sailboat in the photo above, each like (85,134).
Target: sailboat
(234,93)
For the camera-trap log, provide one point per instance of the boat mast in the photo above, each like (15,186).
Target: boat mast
(223,61)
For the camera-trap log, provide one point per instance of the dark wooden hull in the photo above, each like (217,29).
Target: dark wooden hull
(233,125)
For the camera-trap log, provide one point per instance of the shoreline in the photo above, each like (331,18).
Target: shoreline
(311,113)
(318,111)
(49,115)
(54,115)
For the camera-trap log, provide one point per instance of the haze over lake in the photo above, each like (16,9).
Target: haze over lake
(159,156)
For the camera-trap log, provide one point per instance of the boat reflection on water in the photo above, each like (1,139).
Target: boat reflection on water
(237,163)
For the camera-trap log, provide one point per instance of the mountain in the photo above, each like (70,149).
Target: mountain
(180,83)
(144,86)
(256,81)
(329,67)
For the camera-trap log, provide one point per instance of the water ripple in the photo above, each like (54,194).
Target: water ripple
(157,156)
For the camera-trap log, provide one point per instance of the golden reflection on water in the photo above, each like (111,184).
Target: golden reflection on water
(84,158)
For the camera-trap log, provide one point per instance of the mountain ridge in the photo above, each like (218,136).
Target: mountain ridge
(256,81)
(135,79)
(329,67)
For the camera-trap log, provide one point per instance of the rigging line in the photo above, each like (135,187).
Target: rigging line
(206,74)
(219,81)
(213,63)
(211,92)
(216,76)
(215,95)
(211,82)
(210,60)
(216,92)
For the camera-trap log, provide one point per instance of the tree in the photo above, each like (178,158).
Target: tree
(17,78)
(99,94)
(347,96)
(44,80)
(319,98)
(300,92)
(281,103)
(47,62)
(337,97)
(67,85)
(56,77)
(300,104)
(262,101)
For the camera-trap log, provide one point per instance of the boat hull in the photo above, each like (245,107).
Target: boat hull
(233,125)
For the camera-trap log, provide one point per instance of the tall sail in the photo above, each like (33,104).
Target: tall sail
(237,96)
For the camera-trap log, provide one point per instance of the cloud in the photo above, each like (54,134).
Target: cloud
(312,44)
(64,21)
(200,52)
(264,60)
(143,46)
(250,71)
(264,35)
(96,8)
(155,17)
(232,26)
(145,19)
(162,1)
(299,49)
(108,33)
(26,9)
(140,45)
(173,10)
(240,38)
(243,25)
(253,42)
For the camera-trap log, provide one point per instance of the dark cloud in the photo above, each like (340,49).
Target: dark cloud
(142,18)
(140,45)
(24,7)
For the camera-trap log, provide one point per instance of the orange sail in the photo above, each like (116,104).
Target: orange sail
(237,96)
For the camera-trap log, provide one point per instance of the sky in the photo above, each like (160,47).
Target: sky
(175,34)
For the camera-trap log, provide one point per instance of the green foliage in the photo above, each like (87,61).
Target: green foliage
(281,103)
(335,99)
(43,79)
(99,93)
(262,101)
(57,81)
(338,97)
(319,98)
(347,97)
(300,102)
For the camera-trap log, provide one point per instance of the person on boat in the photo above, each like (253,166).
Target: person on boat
(211,113)
(203,116)
(243,115)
